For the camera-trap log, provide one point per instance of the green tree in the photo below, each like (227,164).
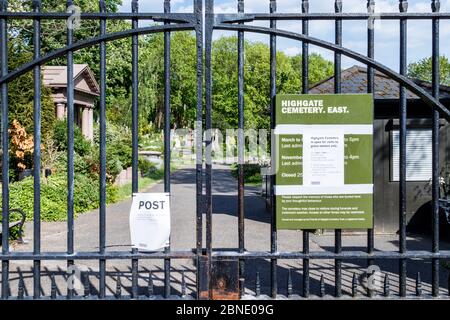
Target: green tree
(183,70)
(256,81)
(422,70)
(183,80)
(53,36)
(21,94)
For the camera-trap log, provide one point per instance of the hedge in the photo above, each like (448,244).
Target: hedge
(54,196)
(252,172)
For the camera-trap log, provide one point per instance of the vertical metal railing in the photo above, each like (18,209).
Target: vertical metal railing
(198,9)
(337,90)
(102,123)
(208,143)
(241,150)
(5,151)
(37,152)
(371,89)
(167,137)
(70,147)
(305,90)
(134,131)
(435,7)
(403,6)
(273,92)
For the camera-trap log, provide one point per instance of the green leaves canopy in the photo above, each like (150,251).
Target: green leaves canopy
(256,81)
(183,70)
(422,70)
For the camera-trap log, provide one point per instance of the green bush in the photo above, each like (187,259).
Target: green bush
(81,165)
(146,167)
(54,196)
(81,145)
(118,149)
(252,172)
(87,155)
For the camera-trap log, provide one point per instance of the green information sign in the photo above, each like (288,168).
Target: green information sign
(324,161)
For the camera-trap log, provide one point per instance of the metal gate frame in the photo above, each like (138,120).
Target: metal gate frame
(204,256)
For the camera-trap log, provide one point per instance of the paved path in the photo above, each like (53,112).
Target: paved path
(257,237)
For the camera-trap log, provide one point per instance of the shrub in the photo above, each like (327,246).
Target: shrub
(118,150)
(21,149)
(81,145)
(146,167)
(54,196)
(81,165)
(252,172)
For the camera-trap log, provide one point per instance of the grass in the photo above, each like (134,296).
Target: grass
(125,190)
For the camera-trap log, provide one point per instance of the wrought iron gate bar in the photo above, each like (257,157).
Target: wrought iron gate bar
(157,17)
(353,255)
(108,255)
(403,6)
(305,89)
(241,155)
(337,90)
(167,137)
(70,148)
(371,89)
(37,152)
(121,255)
(273,92)
(205,257)
(102,211)
(134,130)
(200,279)
(435,7)
(248,17)
(209,7)
(5,146)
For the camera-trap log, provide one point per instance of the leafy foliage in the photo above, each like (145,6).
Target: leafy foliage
(22,146)
(118,150)
(257,81)
(147,168)
(183,71)
(54,196)
(81,146)
(21,94)
(422,70)
(252,173)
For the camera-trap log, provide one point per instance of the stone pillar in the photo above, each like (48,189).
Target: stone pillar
(91,124)
(85,122)
(60,111)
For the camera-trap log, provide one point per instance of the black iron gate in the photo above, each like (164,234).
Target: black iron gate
(219,273)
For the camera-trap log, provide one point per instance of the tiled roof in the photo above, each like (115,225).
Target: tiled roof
(56,76)
(354,80)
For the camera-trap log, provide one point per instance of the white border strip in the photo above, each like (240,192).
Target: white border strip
(346,128)
(345,189)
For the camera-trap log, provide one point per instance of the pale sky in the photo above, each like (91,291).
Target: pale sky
(354,32)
